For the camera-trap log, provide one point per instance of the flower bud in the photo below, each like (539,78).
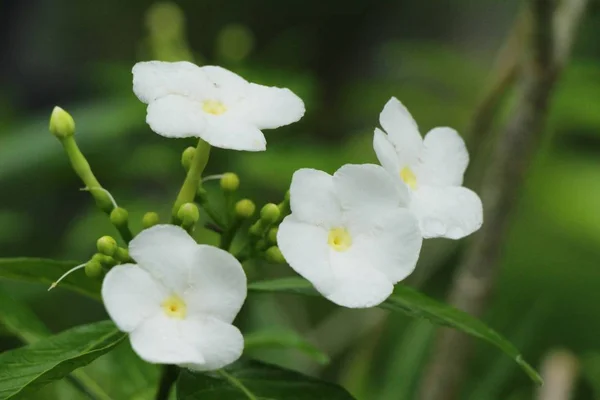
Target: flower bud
(150,219)
(287,196)
(119,217)
(244,208)
(269,213)
(104,260)
(188,214)
(273,255)
(230,182)
(107,245)
(186,157)
(122,255)
(62,124)
(93,269)
(272,235)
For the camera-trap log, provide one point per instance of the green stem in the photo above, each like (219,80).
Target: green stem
(83,170)
(235,382)
(229,234)
(190,184)
(168,378)
(103,198)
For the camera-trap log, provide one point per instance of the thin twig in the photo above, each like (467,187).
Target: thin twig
(475,278)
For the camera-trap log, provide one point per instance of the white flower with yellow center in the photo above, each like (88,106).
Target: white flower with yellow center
(179,301)
(348,233)
(212,103)
(432,168)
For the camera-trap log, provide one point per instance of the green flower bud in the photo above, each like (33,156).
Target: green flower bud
(272,235)
(273,255)
(104,260)
(150,219)
(119,217)
(62,124)
(107,245)
(187,156)
(188,214)
(244,208)
(269,213)
(230,182)
(93,269)
(287,196)
(122,255)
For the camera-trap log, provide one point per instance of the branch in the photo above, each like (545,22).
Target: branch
(551,39)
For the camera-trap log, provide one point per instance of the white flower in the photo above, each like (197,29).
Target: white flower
(348,235)
(212,103)
(178,303)
(433,169)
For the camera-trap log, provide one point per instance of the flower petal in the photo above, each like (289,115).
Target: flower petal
(368,194)
(271,107)
(451,212)
(229,132)
(176,116)
(131,295)
(313,198)
(167,252)
(219,343)
(393,248)
(155,79)
(227,86)
(444,158)
(217,285)
(402,131)
(305,248)
(358,284)
(165,340)
(386,153)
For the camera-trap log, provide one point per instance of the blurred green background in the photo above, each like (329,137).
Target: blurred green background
(345,59)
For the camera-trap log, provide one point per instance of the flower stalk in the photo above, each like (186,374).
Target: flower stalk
(192,179)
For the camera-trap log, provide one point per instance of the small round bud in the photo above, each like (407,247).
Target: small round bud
(93,269)
(187,156)
(122,255)
(201,195)
(62,124)
(230,182)
(245,208)
(119,216)
(270,213)
(272,235)
(188,213)
(106,245)
(273,255)
(150,219)
(104,260)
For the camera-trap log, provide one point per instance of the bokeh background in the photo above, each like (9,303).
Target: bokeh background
(345,59)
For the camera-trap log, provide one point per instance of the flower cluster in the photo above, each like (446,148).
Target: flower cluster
(353,234)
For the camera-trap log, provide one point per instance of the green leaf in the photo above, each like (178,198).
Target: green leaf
(254,380)
(26,369)
(46,272)
(19,320)
(411,302)
(283,339)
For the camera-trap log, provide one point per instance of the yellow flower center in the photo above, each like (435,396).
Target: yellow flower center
(174,307)
(408,177)
(339,239)
(214,107)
